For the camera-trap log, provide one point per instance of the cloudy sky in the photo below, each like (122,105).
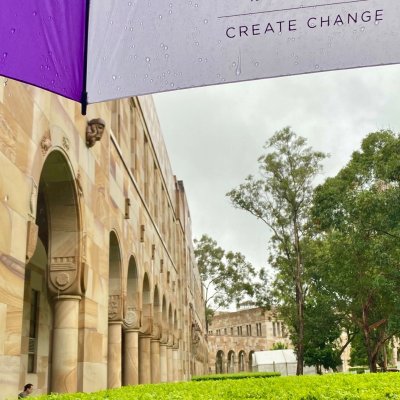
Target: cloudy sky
(214,136)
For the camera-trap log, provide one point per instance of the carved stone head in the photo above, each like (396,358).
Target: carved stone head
(94,131)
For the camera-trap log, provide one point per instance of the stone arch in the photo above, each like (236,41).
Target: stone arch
(170,321)
(242,361)
(251,360)
(146,303)
(231,362)
(114,364)
(157,313)
(132,294)
(220,362)
(53,274)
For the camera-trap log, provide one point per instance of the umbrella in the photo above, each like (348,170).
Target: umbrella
(98,50)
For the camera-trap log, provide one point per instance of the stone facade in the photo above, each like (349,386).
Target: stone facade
(98,284)
(234,336)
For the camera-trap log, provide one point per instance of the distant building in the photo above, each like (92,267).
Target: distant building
(234,336)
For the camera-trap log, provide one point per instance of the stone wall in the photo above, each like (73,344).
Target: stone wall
(99,231)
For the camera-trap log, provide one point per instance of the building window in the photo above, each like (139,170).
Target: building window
(278,325)
(274,328)
(258,329)
(232,331)
(33,331)
(224,331)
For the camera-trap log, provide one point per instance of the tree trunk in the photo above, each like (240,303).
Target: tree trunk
(299,300)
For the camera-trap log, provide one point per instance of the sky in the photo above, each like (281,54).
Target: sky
(214,136)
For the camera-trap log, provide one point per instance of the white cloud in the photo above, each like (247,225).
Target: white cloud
(214,136)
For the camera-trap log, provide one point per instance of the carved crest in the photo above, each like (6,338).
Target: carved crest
(63,272)
(132,318)
(45,143)
(114,307)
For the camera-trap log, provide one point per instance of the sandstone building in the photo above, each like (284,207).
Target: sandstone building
(98,285)
(234,336)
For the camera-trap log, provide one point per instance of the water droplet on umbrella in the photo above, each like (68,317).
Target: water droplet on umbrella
(200,59)
(147,59)
(166,56)
(170,12)
(114,77)
(172,84)
(34,13)
(129,3)
(316,66)
(256,63)
(206,21)
(13,30)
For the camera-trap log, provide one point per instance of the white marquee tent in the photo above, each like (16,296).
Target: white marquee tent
(283,361)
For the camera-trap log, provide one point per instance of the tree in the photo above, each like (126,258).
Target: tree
(281,198)
(226,276)
(358,212)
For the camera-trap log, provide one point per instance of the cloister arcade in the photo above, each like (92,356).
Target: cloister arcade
(98,287)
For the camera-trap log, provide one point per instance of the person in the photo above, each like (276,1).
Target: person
(28,389)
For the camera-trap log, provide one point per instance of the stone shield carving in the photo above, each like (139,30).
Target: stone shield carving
(63,272)
(114,307)
(132,318)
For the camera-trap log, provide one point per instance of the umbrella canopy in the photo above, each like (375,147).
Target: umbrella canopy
(92,51)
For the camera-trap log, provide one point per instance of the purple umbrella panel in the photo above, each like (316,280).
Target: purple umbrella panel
(108,49)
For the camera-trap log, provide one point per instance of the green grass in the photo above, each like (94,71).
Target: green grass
(335,387)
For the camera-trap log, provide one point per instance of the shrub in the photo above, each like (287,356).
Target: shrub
(242,375)
(327,387)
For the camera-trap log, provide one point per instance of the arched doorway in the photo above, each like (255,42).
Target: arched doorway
(231,362)
(219,362)
(114,361)
(52,288)
(251,360)
(242,361)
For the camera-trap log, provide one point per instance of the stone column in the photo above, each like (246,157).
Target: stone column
(64,378)
(170,365)
(144,359)
(155,361)
(114,354)
(163,363)
(175,361)
(235,366)
(131,357)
